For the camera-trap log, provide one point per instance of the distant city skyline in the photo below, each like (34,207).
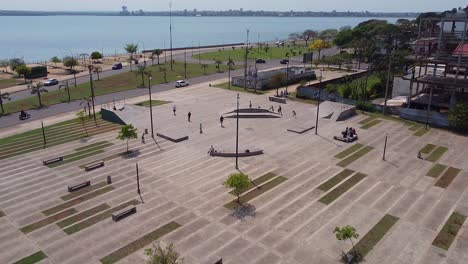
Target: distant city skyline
(296,5)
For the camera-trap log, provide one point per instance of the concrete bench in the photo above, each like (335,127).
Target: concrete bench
(94,166)
(121,214)
(277,99)
(79,186)
(51,161)
(347,139)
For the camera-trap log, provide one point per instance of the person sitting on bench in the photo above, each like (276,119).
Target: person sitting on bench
(345,133)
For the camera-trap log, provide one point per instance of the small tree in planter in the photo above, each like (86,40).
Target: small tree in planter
(83,117)
(347,233)
(127,132)
(239,182)
(159,255)
(458,117)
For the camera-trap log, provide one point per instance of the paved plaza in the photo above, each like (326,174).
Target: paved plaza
(290,223)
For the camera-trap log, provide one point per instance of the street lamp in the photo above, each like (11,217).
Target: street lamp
(237,134)
(90,68)
(151,106)
(170,29)
(318,104)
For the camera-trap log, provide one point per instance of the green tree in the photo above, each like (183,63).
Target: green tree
(87,102)
(309,35)
(218,65)
(131,49)
(23,70)
(158,53)
(55,60)
(97,70)
(83,117)
(277,80)
(458,117)
(15,62)
(4,96)
(159,255)
(141,71)
(96,55)
(164,71)
(204,67)
(328,34)
(347,233)
(65,85)
(319,45)
(38,89)
(237,181)
(127,132)
(5,64)
(70,62)
(230,63)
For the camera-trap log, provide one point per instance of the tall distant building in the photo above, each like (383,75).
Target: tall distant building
(124,11)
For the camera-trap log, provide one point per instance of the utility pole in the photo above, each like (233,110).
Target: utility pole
(318,104)
(287,74)
(151,106)
(90,68)
(245,60)
(237,134)
(138,180)
(385,147)
(388,83)
(185,64)
(170,29)
(43,134)
(229,73)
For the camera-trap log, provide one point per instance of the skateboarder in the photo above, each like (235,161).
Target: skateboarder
(189,115)
(280,111)
(221,120)
(174,109)
(294,113)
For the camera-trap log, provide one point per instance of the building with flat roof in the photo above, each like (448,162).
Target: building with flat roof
(261,80)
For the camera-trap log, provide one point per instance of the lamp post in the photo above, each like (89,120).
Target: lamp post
(151,106)
(237,134)
(245,60)
(385,147)
(318,104)
(90,68)
(138,180)
(170,29)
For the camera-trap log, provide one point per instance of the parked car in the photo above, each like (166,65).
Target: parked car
(284,61)
(117,66)
(51,82)
(181,83)
(260,61)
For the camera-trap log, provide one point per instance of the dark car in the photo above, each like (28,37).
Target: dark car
(117,66)
(260,61)
(284,61)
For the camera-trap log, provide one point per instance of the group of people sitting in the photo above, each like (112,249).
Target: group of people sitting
(348,135)
(283,94)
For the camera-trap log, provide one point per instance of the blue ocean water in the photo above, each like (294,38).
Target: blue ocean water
(38,38)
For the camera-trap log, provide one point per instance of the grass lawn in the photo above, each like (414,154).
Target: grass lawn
(76,201)
(140,243)
(81,216)
(371,124)
(389,117)
(34,258)
(82,154)
(328,185)
(421,132)
(436,170)
(367,120)
(83,191)
(450,230)
(238,89)
(367,242)
(5,83)
(256,182)
(428,149)
(341,189)
(48,220)
(360,153)
(153,103)
(437,154)
(116,83)
(447,177)
(238,54)
(348,151)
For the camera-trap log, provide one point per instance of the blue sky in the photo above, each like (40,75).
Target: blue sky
(313,5)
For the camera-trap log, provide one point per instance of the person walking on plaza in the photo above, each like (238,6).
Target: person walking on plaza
(174,109)
(280,111)
(250,104)
(294,113)
(189,115)
(201,129)
(221,120)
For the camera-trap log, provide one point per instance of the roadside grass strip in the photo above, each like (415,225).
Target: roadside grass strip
(428,149)
(415,127)
(34,258)
(371,124)
(328,185)
(140,243)
(367,120)
(368,242)
(436,170)
(78,200)
(82,154)
(255,193)
(83,191)
(421,132)
(256,182)
(2,214)
(450,230)
(349,151)
(437,154)
(95,145)
(97,218)
(357,155)
(49,220)
(81,216)
(341,189)
(447,177)
(153,103)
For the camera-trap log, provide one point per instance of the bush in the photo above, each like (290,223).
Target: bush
(458,117)
(366,106)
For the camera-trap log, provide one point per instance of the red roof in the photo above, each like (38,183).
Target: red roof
(462,48)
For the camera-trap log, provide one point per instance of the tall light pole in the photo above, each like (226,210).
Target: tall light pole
(385,147)
(90,68)
(245,60)
(388,83)
(151,106)
(170,29)
(237,134)
(185,64)
(318,104)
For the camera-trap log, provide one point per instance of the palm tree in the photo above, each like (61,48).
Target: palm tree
(87,101)
(4,96)
(67,88)
(230,63)
(347,233)
(204,67)
(158,53)
(37,88)
(82,118)
(97,70)
(142,70)
(218,65)
(131,49)
(164,71)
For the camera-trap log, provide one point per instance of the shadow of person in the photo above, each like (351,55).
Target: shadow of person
(243,212)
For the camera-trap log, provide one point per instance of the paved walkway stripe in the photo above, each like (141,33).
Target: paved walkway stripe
(428,149)
(256,182)
(49,220)
(83,191)
(34,258)
(360,153)
(140,243)
(450,230)
(341,189)
(349,151)
(367,120)
(81,216)
(371,124)
(421,132)
(328,185)
(447,177)
(97,144)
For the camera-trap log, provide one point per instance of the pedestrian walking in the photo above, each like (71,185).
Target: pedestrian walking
(221,120)
(174,109)
(189,115)
(294,113)
(280,111)
(272,109)
(201,129)
(250,104)
(143,138)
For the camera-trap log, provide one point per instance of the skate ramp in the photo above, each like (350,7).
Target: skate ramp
(336,111)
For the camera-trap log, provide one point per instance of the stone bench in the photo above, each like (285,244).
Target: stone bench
(94,166)
(347,139)
(79,186)
(277,99)
(121,214)
(51,161)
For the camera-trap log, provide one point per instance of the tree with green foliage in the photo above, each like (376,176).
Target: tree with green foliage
(87,102)
(309,35)
(65,85)
(55,60)
(4,96)
(277,80)
(347,233)
(131,49)
(15,62)
(96,55)
(82,118)
(218,65)
(70,62)
(23,70)
(38,89)
(319,45)
(158,53)
(328,34)
(142,70)
(164,71)
(458,117)
(5,64)
(127,132)
(204,67)
(159,255)
(97,70)
(237,181)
